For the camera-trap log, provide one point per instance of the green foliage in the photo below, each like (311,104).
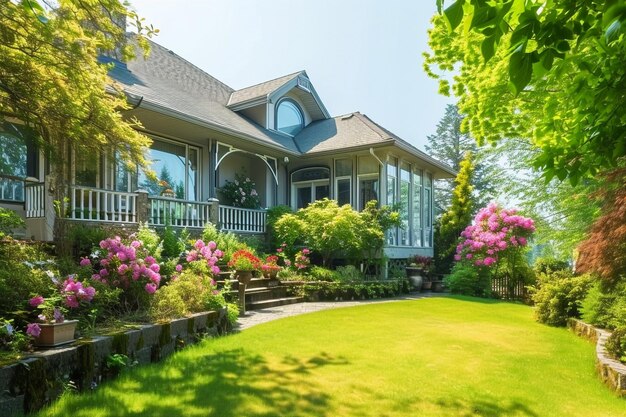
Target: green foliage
(187,294)
(227,242)
(557,296)
(84,238)
(354,290)
(349,273)
(319,273)
(616,344)
(54,82)
(273,214)
(324,227)
(468,280)
(456,219)
(605,305)
(151,240)
(24,269)
(548,265)
(173,242)
(9,220)
(548,71)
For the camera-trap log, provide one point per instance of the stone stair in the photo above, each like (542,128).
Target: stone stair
(262,293)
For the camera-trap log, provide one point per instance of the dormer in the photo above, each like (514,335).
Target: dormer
(285,105)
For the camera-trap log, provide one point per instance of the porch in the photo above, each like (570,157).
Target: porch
(87,204)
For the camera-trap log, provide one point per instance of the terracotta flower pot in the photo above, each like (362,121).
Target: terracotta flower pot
(55,334)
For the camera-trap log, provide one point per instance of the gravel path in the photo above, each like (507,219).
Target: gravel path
(254,317)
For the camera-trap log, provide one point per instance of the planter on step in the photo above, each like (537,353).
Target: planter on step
(55,334)
(415,276)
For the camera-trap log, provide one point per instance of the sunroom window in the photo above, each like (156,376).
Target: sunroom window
(18,160)
(309,185)
(177,169)
(289,117)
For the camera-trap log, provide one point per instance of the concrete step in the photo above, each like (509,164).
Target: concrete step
(258,305)
(265,293)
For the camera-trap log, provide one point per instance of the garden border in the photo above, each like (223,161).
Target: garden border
(611,371)
(31,383)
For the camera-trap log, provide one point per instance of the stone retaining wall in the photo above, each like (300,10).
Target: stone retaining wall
(31,383)
(611,371)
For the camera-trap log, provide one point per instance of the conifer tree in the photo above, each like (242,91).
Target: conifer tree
(457,218)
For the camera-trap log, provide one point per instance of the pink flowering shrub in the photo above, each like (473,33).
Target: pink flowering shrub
(202,258)
(495,233)
(126,265)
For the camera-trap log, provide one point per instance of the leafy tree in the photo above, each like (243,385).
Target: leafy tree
(377,220)
(449,144)
(51,79)
(553,72)
(456,219)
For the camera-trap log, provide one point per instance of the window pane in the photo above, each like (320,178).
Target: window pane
(368,165)
(368,190)
(343,191)
(289,118)
(392,184)
(303,197)
(192,174)
(310,174)
(322,191)
(417,209)
(343,167)
(405,186)
(168,161)
(427,217)
(12,155)
(86,169)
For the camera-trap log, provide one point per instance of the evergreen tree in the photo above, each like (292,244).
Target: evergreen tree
(457,218)
(450,145)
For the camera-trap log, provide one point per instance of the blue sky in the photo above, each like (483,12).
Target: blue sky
(360,55)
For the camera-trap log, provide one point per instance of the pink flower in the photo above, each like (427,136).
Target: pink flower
(178,268)
(71,301)
(306,251)
(104,272)
(199,244)
(36,301)
(218,253)
(212,245)
(33,329)
(215,270)
(135,244)
(122,269)
(489,261)
(85,262)
(151,288)
(150,260)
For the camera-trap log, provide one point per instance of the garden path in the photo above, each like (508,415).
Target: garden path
(254,317)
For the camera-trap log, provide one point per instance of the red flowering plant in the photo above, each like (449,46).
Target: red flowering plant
(68,295)
(270,266)
(244,260)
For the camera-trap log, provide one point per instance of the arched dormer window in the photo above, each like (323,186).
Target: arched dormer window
(289,117)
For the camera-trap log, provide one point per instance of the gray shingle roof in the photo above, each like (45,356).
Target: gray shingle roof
(260,90)
(165,79)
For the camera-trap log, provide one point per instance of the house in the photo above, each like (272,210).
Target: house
(279,133)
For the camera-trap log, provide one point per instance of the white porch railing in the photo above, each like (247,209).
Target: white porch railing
(93,204)
(11,188)
(35,201)
(236,219)
(181,213)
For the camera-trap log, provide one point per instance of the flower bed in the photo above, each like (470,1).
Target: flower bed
(40,378)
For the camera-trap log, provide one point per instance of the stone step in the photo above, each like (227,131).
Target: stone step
(258,305)
(265,293)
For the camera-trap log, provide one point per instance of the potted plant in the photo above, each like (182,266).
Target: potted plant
(270,268)
(51,327)
(417,271)
(244,263)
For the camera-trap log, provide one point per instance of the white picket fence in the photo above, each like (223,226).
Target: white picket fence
(35,201)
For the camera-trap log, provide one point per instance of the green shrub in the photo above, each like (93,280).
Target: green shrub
(290,275)
(605,305)
(83,239)
(349,273)
(9,221)
(616,344)
(546,265)
(227,242)
(273,214)
(173,242)
(151,240)
(187,294)
(319,273)
(468,280)
(557,296)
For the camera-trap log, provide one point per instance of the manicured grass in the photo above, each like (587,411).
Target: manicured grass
(431,357)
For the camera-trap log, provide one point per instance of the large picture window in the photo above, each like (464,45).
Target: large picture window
(368,180)
(343,181)
(177,169)
(309,185)
(18,160)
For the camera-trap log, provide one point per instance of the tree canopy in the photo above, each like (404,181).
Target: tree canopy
(553,72)
(51,79)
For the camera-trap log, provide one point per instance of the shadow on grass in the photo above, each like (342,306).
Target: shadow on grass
(480,300)
(486,407)
(229,383)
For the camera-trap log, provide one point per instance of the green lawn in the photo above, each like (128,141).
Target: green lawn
(430,357)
